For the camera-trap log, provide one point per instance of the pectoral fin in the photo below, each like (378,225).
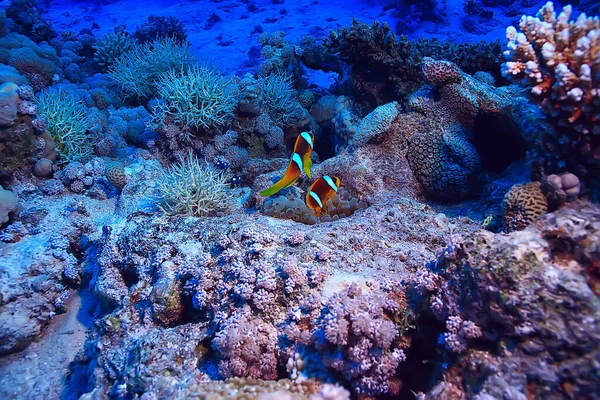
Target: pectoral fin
(307,162)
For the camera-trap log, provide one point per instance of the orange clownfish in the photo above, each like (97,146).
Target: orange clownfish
(300,162)
(320,191)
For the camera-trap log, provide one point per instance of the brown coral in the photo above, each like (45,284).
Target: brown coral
(115,173)
(523,205)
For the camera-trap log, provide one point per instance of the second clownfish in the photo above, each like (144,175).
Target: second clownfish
(320,192)
(300,162)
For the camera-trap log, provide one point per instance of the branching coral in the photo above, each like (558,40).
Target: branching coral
(387,67)
(560,60)
(68,122)
(194,98)
(110,47)
(279,98)
(189,187)
(280,56)
(139,70)
(248,346)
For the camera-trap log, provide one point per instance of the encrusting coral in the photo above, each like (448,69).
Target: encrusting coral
(442,156)
(559,60)
(531,294)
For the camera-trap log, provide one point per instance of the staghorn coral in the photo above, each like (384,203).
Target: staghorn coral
(68,122)
(559,60)
(189,187)
(523,205)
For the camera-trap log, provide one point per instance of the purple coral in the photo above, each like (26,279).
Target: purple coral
(357,338)
(248,347)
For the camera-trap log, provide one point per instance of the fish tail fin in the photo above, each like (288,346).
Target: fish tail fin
(287,181)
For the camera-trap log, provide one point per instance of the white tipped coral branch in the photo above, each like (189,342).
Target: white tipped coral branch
(559,58)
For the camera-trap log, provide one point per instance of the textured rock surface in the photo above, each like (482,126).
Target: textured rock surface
(534,295)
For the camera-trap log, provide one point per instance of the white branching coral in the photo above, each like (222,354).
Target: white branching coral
(560,60)
(189,187)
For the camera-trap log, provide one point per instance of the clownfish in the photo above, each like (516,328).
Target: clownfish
(320,191)
(300,162)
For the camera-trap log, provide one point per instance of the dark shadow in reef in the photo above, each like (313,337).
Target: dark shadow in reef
(498,143)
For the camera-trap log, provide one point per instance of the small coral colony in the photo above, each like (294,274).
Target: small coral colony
(422,223)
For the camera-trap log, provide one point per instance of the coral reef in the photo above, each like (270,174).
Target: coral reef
(140,260)
(498,282)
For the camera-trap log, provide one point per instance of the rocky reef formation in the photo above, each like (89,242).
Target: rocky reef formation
(445,260)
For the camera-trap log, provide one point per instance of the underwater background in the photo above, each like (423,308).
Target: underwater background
(290,199)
